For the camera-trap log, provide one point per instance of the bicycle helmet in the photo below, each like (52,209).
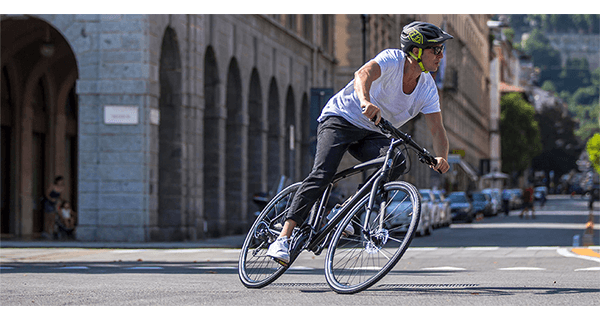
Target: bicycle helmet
(421,35)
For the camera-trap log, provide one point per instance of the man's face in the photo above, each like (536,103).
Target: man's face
(431,61)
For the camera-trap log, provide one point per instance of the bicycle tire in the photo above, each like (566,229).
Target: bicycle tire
(356,262)
(255,268)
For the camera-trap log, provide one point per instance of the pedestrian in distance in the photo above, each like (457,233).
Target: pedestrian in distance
(396,85)
(66,220)
(527,203)
(50,202)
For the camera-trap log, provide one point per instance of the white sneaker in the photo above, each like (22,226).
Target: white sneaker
(280,250)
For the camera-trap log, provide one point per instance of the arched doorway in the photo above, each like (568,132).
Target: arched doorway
(274,136)
(306,158)
(256,139)
(170,161)
(39,122)
(213,142)
(235,152)
(290,135)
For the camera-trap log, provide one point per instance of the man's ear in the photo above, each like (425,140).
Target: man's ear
(415,51)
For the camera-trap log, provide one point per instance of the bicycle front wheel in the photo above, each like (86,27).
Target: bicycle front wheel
(255,268)
(357,260)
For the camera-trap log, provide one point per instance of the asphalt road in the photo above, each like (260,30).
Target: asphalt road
(499,261)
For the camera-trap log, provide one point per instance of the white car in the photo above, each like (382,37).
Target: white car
(444,217)
(496,196)
(428,212)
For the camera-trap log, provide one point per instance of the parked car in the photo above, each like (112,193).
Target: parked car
(428,212)
(401,210)
(496,197)
(460,206)
(514,198)
(539,192)
(444,218)
(401,215)
(482,203)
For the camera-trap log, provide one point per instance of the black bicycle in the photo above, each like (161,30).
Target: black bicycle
(383,216)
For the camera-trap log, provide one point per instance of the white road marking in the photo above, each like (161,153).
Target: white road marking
(73,268)
(576,226)
(129,251)
(145,268)
(444,269)
(482,248)
(567,253)
(589,269)
(522,269)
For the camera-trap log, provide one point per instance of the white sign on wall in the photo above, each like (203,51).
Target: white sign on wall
(121,114)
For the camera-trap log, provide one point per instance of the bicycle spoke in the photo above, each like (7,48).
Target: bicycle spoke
(356,262)
(256,269)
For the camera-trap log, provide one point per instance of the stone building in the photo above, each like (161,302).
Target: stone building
(464,87)
(162,125)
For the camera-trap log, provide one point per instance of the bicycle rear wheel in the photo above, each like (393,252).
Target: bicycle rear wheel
(255,268)
(356,262)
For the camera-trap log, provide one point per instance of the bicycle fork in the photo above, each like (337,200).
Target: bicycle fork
(377,234)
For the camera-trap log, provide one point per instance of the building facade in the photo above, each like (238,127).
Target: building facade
(162,125)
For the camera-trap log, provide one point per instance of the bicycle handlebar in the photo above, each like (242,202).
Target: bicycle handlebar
(424,155)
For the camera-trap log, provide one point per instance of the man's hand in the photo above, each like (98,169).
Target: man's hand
(371,111)
(442,165)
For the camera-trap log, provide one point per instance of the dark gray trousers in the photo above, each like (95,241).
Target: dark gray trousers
(335,136)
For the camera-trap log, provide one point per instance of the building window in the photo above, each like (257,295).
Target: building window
(325,36)
(307,26)
(291,22)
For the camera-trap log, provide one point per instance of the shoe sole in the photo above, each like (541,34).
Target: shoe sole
(281,262)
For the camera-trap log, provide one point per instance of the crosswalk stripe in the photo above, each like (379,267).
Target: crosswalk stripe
(522,269)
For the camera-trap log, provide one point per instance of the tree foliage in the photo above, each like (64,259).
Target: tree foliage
(520,133)
(593,150)
(545,58)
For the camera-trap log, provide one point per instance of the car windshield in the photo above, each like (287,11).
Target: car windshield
(425,196)
(478,197)
(457,197)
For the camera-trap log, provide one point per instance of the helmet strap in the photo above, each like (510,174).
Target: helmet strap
(419,60)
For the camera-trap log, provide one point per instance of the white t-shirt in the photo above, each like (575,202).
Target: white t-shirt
(387,94)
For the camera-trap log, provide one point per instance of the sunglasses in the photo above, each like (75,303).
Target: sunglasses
(437,50)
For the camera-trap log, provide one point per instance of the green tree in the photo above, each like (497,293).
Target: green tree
(593,151)
(520,134)
(576,74)
(549,86)
(546,58)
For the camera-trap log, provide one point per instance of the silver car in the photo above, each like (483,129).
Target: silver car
(444,217)
(401,211)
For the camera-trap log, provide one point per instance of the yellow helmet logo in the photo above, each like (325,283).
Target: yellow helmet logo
(416,37)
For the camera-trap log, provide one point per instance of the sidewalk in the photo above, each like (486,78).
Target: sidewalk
(235,241)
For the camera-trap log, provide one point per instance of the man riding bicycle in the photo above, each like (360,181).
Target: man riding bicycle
(396,84)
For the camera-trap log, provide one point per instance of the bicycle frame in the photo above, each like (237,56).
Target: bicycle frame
(376,180)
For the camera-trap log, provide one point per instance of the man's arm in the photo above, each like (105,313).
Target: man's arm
(363,78)
(440,140)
